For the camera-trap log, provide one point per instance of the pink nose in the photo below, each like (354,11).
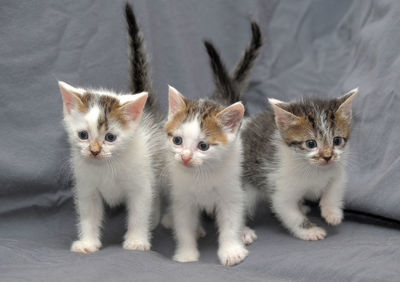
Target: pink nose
(186,156)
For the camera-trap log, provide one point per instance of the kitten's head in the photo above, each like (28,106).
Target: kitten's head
(317,130)
(200,131)
(100,123)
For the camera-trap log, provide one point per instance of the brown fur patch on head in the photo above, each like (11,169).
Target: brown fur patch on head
(110,109)
(316,119)
(86,99)
(206,112)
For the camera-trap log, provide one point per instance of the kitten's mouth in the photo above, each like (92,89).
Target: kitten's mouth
(187,164)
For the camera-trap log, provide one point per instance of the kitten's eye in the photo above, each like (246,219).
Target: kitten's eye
(311,144)
(177,140)
(110,137)
(203,146)
(337,141)
(83,135)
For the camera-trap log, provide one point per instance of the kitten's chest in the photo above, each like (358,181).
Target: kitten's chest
(112,192)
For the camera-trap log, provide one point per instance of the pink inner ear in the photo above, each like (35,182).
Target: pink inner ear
(176,100)
(135,108)
(70,98)
(282,117)
(232,116)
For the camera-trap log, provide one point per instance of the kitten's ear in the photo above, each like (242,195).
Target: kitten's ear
(283,118)
(133,109)
(71,96)
(176,101)
(346,101)
(231,117)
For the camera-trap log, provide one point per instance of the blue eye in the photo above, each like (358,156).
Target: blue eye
(203,146)
(177,140)
(110,137)
(83,135)
(337,141)
(311,144)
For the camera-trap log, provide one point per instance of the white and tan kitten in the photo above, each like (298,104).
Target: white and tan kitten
(298,152)
(113,147)
(205,168)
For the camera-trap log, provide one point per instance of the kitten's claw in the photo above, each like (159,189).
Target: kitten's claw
(232,255)
(248,236)
(85,246)
(186,255)
(333,216)
(311,234)
(136,244)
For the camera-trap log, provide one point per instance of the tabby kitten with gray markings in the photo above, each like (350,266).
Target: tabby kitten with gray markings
(298,152)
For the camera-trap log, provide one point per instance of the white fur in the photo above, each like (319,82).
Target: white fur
(213,184)
(122,173)
(296,179)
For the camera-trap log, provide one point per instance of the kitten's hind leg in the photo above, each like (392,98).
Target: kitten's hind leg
(286,208)
(248,236)
(156,213)
(304,208)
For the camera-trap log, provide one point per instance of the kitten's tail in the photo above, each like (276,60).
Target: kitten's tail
(225,88)
(140,78)
(246,62)
(230,87)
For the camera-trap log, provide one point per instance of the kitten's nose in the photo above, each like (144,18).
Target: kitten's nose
(94,153)
(186,156)
(327,159)
(95,148)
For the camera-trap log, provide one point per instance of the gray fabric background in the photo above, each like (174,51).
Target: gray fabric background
(322,48)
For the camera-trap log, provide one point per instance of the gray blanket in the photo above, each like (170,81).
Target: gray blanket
(322,48)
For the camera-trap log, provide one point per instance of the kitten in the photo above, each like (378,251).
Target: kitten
(116,149)
(205,164)
(297,152)
(112,143)
(205,169)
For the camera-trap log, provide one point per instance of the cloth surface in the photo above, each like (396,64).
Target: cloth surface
(321,48)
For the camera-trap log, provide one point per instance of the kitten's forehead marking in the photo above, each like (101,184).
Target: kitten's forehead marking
(191,131)
(92,118)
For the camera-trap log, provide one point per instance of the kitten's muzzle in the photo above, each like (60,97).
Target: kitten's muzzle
(186,157)
(95,148)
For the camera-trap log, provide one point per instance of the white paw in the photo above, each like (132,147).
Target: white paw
(137,244)
(311,234)
(86,246)
(248,235)
(186,255)
(333,216)
(305,209)
(232,255)
(201,233)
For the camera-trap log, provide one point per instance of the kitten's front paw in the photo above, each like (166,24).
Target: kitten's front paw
(186,255)
(232,255)
(85,246)
(136,244)
(311,234)
(333,216)
(248,236)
